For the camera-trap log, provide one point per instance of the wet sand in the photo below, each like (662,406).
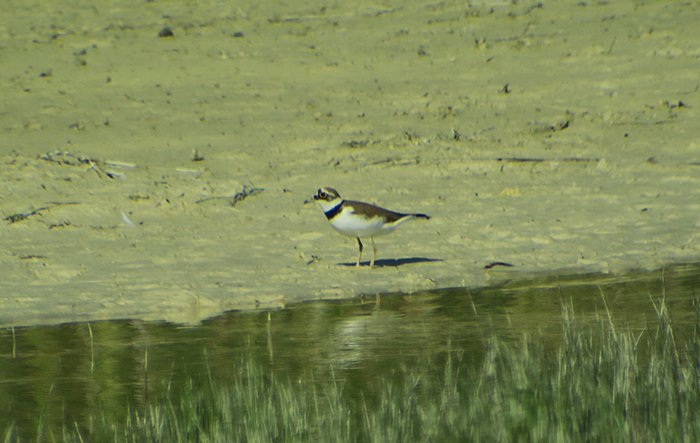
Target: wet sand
(559,136)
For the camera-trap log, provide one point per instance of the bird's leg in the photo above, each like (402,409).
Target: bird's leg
(360,256)
(375,253)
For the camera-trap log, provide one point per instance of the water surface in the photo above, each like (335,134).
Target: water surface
(65,374)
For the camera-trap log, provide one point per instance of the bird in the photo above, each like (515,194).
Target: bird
(359,219)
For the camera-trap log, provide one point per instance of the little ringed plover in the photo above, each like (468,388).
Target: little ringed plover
(358,219)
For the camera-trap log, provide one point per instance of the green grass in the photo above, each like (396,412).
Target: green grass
(600,383)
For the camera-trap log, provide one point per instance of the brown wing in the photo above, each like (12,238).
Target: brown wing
(369,211)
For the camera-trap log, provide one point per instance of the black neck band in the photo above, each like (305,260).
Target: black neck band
(331,213)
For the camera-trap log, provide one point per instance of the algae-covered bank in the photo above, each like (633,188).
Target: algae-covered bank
(155,157)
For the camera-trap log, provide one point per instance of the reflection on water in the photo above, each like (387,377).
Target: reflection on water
(57,375)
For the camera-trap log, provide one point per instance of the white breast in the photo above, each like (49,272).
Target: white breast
(357,226)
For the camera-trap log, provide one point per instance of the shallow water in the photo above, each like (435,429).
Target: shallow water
(61,375)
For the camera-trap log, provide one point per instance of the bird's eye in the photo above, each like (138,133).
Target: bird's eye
(322,194)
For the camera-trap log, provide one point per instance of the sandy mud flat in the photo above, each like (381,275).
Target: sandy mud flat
(155,157)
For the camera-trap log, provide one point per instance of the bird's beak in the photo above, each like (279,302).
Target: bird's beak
(312,200)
